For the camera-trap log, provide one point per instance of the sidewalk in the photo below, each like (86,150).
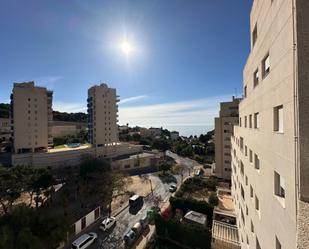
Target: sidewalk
(145,238)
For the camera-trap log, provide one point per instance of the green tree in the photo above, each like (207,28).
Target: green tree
(165,167)
(213,199)
(161,144)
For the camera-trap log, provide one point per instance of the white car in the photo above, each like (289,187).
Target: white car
(107,223)
(84,241)
(173,188)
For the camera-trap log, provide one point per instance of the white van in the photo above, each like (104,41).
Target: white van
(84,241)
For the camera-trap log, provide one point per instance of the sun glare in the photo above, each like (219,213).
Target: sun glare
(126,47)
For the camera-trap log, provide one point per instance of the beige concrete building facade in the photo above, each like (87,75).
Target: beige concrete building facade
(228,116)
(73,156)
(270,158)
(31,111)
(102,116)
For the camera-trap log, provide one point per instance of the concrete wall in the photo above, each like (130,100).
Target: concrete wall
(276,217)
(53,159)
(302,89)
(72,157)
(137,161)
(90,219)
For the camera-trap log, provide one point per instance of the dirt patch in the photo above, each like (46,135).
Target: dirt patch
(137,185)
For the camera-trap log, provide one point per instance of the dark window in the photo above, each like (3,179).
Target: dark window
(83,222)
(265,66)
(254,35)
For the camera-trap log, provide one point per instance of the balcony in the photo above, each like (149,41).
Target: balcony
(224,236)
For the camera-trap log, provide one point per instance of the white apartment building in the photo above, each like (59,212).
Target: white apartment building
(31,112)
(102,116)
(270,147)
(5,129)
(228,116)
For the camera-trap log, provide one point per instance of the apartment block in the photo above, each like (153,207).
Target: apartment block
(102,116)
(31,114)
(228,116)
(5,129)
(270,146)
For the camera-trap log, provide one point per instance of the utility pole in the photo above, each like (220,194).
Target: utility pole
(151,186)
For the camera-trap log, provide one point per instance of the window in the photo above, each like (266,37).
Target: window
(242,216)
(266,66)
(245,121)
(241,143)
(246,180)
(254,35)
(258,246)
(256,78)
(256,121)
(245,91)
(250,156)
(250,121)
(256,161)
(251,191)
(242,168)
(246,150)
(257,204)
(279,185)
(278,244)
(240,122)
(242,192)
(278,119)
(252,227)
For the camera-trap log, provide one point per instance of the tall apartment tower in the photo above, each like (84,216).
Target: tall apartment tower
(228,116)
(270,147)
(102,115)
(31,114)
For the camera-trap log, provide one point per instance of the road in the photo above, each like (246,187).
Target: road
(187,162)
(113,239)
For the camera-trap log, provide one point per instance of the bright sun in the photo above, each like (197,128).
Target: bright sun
(126,47)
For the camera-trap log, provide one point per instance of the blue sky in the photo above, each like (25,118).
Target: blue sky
(187,57)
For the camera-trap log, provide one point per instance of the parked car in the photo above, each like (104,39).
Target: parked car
(144,221)
(137,228)
(129,237)
(199,172)
(172,188)
(107,223)
(84,241)
(135,200)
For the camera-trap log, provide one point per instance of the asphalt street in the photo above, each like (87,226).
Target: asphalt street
(113,239)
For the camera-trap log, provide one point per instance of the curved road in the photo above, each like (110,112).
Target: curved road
(114,238)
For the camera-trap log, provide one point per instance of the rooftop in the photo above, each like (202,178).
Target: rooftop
(196,217)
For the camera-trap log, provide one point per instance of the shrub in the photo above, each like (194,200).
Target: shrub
(213,199)
(211,183)
(192,235)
